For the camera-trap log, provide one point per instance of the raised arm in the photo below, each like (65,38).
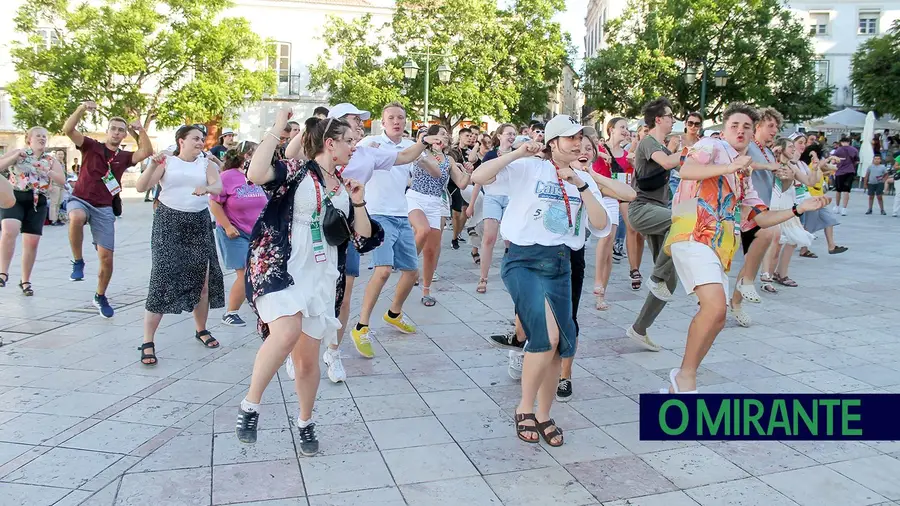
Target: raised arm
(260,171)
(71,126)
(410,154)
(487,172)
(150,177)
(145,147)
(294,148)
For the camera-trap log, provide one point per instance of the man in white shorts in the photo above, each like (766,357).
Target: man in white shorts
(715,198)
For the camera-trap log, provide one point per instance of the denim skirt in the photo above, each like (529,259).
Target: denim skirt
(533,275)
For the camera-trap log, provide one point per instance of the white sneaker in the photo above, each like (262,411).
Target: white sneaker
(660,291)
(435,277)
(336,372)
(843,211)
(289,366)
(836,209)
(514,369)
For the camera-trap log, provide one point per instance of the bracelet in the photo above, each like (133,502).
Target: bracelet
(582,189)
(361,204)
(794,210)
(269,133)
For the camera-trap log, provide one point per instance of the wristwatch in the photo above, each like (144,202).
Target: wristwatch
(582,189)
(794,210)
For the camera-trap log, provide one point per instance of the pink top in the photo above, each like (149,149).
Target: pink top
(601,167)
(242,200)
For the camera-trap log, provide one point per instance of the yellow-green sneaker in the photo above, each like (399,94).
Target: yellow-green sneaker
(401,324)
(362,342)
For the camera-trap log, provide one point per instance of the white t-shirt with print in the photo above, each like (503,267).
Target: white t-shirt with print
(536,213)
(386,190)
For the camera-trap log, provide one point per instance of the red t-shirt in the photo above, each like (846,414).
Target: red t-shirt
(96,160)
(601,167)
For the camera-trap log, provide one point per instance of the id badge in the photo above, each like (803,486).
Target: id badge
(111,184)
(315,229)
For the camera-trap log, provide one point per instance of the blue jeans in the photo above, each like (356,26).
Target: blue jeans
(399,247)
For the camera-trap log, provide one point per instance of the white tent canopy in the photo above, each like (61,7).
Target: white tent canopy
(849,119)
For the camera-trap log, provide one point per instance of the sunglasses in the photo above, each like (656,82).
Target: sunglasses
(692,123)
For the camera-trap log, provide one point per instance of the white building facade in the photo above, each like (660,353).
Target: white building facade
(836,27)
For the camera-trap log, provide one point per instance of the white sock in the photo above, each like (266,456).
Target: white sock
(303,423)
(249,407)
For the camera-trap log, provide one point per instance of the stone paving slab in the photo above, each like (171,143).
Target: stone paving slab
(429,420)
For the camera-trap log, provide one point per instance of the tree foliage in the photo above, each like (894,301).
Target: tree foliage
(168,61)
(765,51)
(875,72)
(504,61)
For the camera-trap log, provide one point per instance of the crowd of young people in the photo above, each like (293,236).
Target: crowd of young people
(292,214)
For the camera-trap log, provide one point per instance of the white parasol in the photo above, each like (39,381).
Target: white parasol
(866,154)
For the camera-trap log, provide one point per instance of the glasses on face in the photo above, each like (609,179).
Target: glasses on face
(692,123)
(537,132)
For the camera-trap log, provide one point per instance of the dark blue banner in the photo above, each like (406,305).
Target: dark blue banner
(705,417)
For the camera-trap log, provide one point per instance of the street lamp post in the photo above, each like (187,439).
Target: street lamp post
(411,70)
(720,78)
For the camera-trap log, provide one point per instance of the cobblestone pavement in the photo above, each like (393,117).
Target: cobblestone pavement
(428,421)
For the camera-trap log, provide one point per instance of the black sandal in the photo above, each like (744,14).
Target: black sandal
(25,286)
(147,356)
(207,342)
(522,429)
(636,279)
(4,280)
(476,257)
(548,436)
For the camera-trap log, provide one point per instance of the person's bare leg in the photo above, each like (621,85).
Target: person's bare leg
(77,221)
(421,228)
(151,325)
(8,242)
(566,368)
(829,238)
(344,314)
(770,258)
(603,260)
(430,251)
(237,294)
(846,197)
(534,369)
(705,326)
(201,310)
(284,334)
(402,290)
(547,391)
(373,291)
(459,222)
(29,254)
(880,202)
(106,269)
(488,240)
(784,260)
(305,356)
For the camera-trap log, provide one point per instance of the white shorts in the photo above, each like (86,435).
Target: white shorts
(434,208)
(612,209)
(697,264)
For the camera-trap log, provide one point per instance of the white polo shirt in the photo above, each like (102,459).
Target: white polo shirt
(366,160)
(386,190)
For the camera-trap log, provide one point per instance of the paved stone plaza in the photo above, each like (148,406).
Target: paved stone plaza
(428,421)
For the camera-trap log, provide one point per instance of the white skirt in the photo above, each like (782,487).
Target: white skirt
(434,207)
(792,231)
(612,209)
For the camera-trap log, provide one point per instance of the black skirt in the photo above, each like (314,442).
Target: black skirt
(183,249)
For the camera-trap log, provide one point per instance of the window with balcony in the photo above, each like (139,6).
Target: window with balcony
(819,24)
(822,69)
(280,62)
(868,23)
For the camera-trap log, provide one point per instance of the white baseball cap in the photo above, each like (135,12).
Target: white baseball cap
(565,126)
(225,132)
(341,110)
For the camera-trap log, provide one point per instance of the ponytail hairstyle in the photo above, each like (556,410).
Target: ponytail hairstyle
(233,159)
(182,133)
(612,124)
(321,129)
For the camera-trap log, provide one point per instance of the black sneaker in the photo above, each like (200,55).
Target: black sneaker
(507,341)
(246,426)
(454,243)
(309,444)
(233,320)
(564,390)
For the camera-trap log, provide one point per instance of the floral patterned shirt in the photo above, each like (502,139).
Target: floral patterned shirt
(32,173)
(711,211)
(270,241)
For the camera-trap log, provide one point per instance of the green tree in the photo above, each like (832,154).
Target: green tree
(167,61)
(765,51)
(875,71)
(504,61)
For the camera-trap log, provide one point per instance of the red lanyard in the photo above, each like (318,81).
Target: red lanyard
(763,150)
(111,158)
(319,194)
(565,195)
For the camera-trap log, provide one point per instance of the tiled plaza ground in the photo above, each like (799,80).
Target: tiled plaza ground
(428,421)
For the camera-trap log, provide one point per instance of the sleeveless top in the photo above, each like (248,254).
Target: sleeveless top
(426,184)
(180,180)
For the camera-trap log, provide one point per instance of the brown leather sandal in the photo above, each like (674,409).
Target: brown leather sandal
(548,436)
(523,429)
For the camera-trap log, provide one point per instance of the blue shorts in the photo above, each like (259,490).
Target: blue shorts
(494,206)
(101,220)
(351,268)
(399,247)
(234,251)
(533,275)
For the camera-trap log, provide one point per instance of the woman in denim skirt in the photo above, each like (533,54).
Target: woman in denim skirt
(550,208)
